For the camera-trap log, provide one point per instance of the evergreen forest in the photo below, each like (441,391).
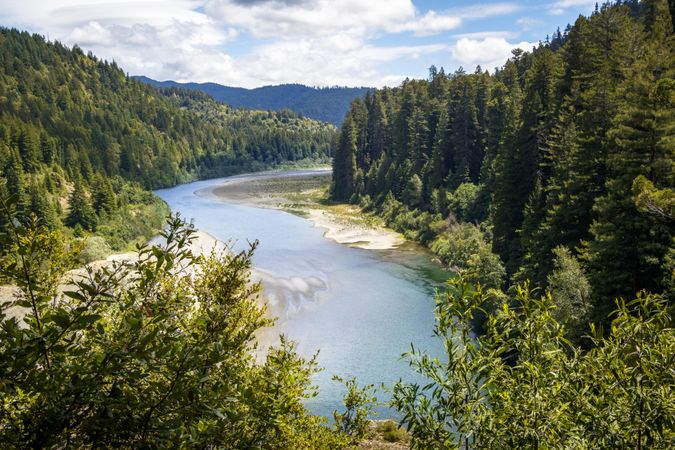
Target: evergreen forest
(81,142)
(559,168)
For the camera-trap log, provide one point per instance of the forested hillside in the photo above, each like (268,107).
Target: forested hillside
(79,140)
(562,162)
(329,104)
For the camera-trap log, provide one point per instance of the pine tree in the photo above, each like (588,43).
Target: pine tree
(412,194)
(47,148)
(81,212)
(507,202)
(629,248)
(437,168)
(28,149)
(102,195)
(378,132)
(465,146)
(43,208)
(14,177)
(344,162)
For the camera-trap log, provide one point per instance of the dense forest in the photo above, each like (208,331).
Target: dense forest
(80,140)
(558,168)
(328,104)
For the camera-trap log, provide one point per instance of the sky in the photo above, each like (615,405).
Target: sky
(251,43)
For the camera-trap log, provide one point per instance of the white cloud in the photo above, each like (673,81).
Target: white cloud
(481,11)
(328,62)
(557,8)
(274,19)
(489,53)
(487,34)
(161,38)
(317,42)
(528,24)
(91,34)
(429,24)
(266,18)
(324,42)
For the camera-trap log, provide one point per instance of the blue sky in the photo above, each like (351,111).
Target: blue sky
(316,42)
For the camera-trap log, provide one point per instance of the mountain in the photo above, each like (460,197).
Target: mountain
(326,104)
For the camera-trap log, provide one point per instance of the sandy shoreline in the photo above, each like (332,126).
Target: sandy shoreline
(203,243)
(290,191)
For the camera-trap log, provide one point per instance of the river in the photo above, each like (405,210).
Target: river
(361,309)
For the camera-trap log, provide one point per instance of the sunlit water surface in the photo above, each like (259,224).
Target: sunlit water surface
(361,308)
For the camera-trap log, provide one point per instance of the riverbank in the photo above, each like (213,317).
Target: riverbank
(304,193)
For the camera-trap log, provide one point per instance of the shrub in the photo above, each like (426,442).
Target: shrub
(141,355)
(522,385)
(391,431)
(464,202)
(359,403)
(464,247)
(94,249)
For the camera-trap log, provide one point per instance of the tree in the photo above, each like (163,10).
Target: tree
(14,183)
(344,162)
(628,248)
(571,293)
(466,149)
(43,208)
(103,197)
(81,212)
(412,195)
(28,148)
(359,403)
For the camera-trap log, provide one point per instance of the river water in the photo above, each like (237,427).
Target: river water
(360,308)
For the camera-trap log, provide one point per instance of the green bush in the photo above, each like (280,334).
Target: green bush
(359,403)
(465,203)
(140,355)
(94,249)
(464,247)
(391,431)
(523,385)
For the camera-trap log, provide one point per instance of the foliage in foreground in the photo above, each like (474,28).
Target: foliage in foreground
(154,353)
(359,404)
(523,385)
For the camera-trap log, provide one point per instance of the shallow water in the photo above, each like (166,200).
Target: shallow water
(360,308)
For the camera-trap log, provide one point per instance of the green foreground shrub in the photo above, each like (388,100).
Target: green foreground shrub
(150,354)
(523,385)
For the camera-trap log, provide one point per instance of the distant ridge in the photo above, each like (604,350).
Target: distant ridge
(326,104)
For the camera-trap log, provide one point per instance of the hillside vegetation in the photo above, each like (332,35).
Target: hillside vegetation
(557,168)
(80,141)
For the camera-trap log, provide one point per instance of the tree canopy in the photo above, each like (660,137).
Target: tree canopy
(571,144)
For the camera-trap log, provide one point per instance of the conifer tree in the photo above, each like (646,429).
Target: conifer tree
(628,248)
(344,162)
(102,195)
(81,212)
(43,208)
